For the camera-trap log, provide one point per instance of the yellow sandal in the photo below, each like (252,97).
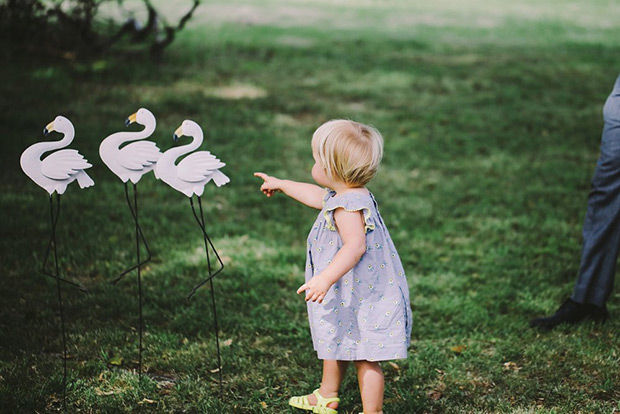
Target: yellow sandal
(321,403)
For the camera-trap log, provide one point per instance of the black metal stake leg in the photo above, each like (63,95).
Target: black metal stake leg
(62,318)
(49,246)
(138,233)
(201,223)
(146,245)
(217,335)
(139,236)
(207,242)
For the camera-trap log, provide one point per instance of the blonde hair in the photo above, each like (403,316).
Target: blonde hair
(348,150)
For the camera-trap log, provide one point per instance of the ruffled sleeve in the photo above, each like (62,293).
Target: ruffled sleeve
(349,202)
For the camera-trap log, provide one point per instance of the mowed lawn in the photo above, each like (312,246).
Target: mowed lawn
(491,113)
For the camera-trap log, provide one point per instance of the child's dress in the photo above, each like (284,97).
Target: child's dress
(366,314)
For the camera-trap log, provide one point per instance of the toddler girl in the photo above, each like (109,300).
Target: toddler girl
(356,290)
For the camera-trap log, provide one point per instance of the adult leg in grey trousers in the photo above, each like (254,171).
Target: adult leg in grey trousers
(601,230)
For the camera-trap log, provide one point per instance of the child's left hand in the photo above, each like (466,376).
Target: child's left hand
(316,289)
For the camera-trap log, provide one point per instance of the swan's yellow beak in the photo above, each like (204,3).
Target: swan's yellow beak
(131,119)
(49,128)
(178,133)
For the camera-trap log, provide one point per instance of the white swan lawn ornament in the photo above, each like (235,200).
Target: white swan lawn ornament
(190,177)
(59,169)
(130,163)
(191,174)
(54,173)
(134,160)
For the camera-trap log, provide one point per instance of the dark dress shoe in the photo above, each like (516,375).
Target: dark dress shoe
(571,312)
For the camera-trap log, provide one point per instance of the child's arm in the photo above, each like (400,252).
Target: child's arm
(351,228)
(308,194)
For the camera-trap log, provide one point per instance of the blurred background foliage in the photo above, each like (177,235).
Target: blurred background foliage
(79,27)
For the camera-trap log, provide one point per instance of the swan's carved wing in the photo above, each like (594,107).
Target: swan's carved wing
(61,165)
(198,166)
(138,155)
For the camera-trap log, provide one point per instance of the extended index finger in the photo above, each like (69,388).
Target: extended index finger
(261,175)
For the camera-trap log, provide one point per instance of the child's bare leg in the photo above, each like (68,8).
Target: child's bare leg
(333,374)
(370,378)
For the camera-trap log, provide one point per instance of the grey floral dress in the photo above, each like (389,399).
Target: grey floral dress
(366,314)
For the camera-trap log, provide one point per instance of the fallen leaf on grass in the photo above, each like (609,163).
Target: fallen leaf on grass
(99,392)
(165,384)
(147,401)
(395,366)
(511,366)
(117,360)
(263,404)
(458,349)
(434,395)
(437,391)
(52,403)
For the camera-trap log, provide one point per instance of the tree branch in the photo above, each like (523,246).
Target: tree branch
(161,43)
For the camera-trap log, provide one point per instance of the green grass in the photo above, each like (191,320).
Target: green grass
(491,112)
